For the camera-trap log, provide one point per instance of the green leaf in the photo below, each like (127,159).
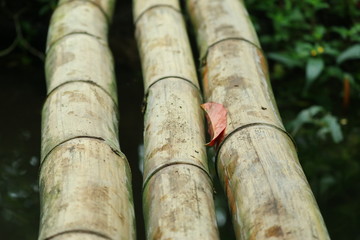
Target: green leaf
(303,49)
(334,127)
(319,32)
(305,116)
(352,52)
(354,84)
(44,9)
(342,31)
(314,67)
(322,133)
(286,60)
(326,182)
(334,72)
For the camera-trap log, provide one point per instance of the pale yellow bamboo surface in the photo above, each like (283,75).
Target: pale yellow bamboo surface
(160,29)
(268,194)
(78,109)
(85,180)
(70,58)
(141,6)
(106,6)
(77,17)
(82,183)
(177,196)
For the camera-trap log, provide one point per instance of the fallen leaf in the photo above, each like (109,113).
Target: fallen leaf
(216,119)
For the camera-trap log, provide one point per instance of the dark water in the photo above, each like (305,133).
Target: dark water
(130,93)
(20,104)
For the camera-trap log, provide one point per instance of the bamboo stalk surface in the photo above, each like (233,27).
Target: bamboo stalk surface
(177,194)
(268,194)
(85,179)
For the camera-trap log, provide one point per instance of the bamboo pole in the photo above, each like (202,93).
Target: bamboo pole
(177,188)
(268,194)
(85,180)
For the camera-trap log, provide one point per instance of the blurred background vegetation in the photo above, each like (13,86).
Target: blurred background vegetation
(313,51)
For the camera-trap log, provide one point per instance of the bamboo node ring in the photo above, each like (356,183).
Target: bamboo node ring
(159,168)
(115,150)
(143,108)
(153,7)
(70,34)
(84,231)
(82,81)
(203,59)
(246,126)
(91,2)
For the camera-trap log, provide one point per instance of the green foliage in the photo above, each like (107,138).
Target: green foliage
(21,97)
(314,67)
(47,6)
(352,52)
(324,122)
(313,49)
(25,24)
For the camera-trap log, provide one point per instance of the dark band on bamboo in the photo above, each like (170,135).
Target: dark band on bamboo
(82,81)
(69,34)
(108,20)
(247,126)
(203,60)
(159,168)
(154,7)
(115,150)
(84,231)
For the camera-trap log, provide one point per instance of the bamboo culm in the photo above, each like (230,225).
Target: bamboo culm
(267,191)
(177,195)
(85,179)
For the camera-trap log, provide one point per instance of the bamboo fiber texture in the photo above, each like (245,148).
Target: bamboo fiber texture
(268,194)
(85,180)
(177,192)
